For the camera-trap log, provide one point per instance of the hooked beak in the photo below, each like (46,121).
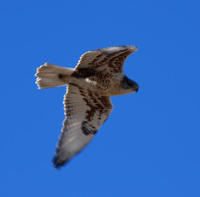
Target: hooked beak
(135,86)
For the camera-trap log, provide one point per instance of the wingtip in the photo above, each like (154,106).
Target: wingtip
(133,48)
(112,49)
(58,164)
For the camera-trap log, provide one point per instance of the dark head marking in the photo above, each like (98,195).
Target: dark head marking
(127,83)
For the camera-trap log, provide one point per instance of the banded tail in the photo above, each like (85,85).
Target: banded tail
(50,75)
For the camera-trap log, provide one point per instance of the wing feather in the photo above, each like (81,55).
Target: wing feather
(110,59)
(85,112)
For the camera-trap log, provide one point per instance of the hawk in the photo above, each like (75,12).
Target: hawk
(97,76)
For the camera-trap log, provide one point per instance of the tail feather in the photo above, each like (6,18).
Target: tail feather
(49,76)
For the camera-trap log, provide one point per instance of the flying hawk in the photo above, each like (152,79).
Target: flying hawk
(97,76)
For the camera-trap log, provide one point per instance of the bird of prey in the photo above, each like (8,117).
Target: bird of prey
(97,76)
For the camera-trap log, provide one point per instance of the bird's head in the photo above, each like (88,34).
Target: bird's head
(128,86)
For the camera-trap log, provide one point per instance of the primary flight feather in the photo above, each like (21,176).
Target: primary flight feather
(97,76)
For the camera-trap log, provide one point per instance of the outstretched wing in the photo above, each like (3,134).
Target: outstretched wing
(109,59)
(85,112)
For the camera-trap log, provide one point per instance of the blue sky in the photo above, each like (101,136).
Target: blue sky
(150,144)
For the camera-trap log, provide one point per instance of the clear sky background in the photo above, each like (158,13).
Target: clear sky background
(150,144)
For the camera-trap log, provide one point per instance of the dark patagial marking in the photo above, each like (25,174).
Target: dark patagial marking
(87,130)
(83,73)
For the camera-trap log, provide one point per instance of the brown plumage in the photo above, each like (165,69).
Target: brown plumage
(97,76)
